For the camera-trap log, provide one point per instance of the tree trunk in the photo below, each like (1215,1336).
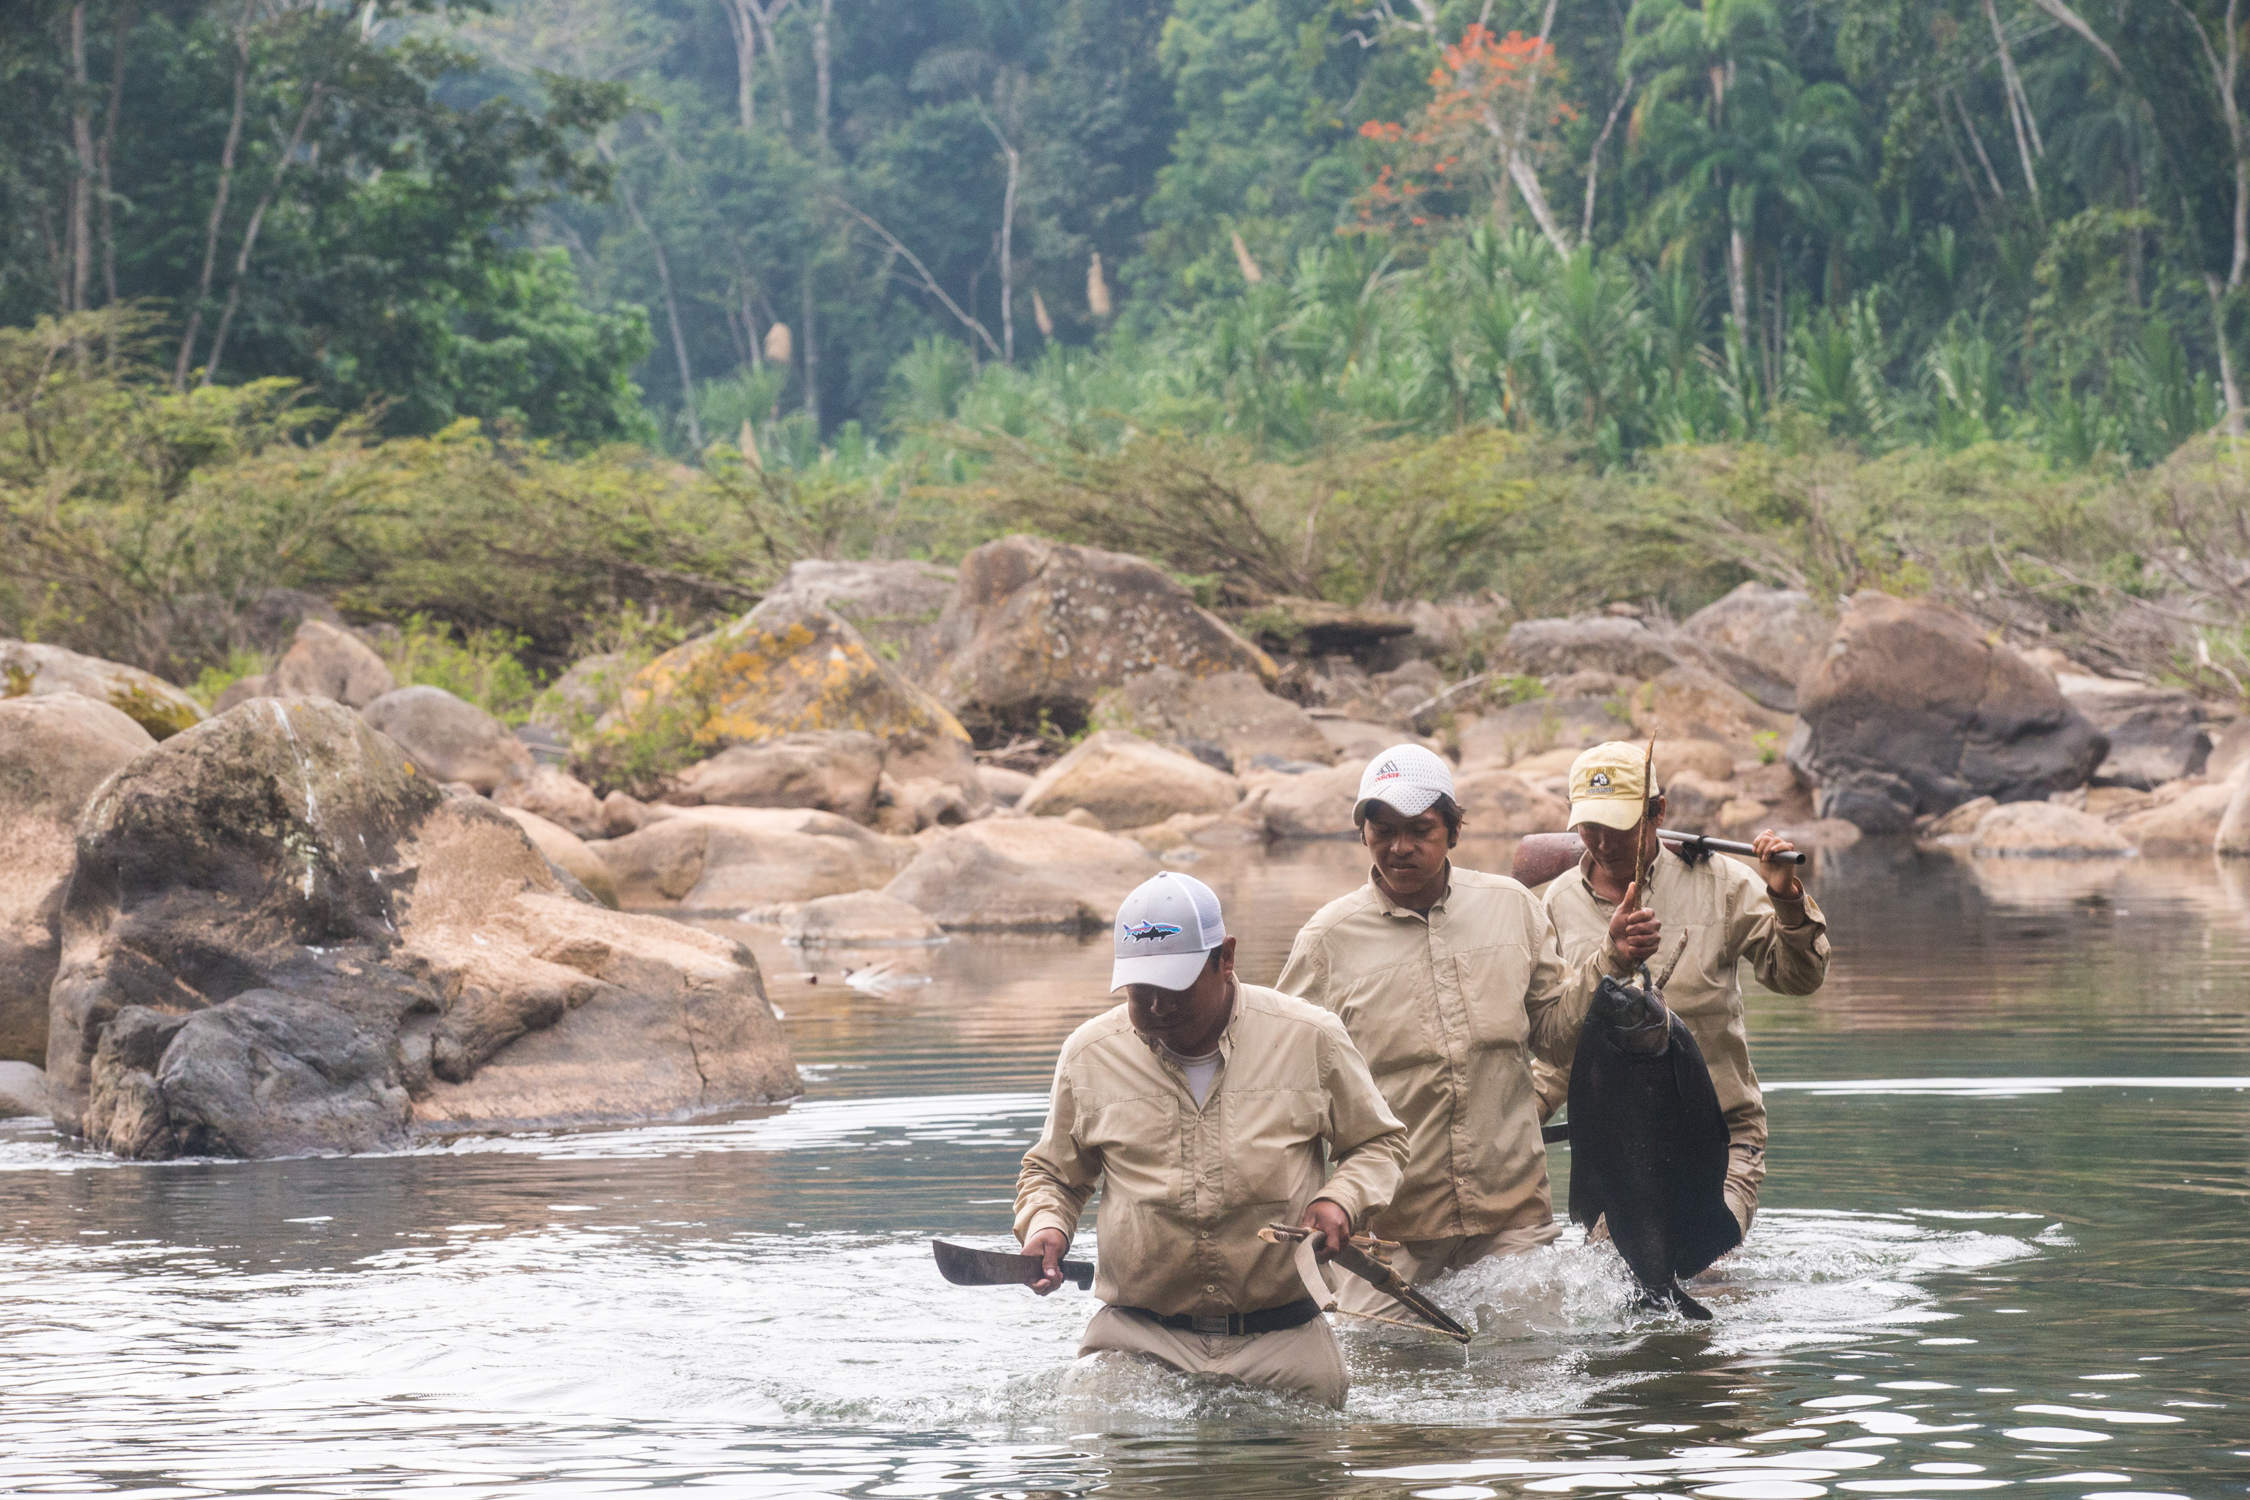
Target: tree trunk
(671,315)
(82,180)
(812,349)
(218,203)
(1977,141)
(1007,244)
(745,61)
(2227,385)
(2019,107)
(108,147)
(1738,280)
(820,94)
(1594,160)
(250,233)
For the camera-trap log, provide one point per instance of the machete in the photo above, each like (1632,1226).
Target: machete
(1356,1257)
(965,1267)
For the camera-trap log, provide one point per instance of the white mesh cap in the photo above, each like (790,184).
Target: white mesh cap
(1405,777)
(1165,932)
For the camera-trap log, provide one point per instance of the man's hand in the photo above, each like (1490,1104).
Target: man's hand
(1634,932)
(1781,879)
(1048,1245)
(1329,1223)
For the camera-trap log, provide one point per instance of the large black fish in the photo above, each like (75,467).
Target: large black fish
(1648,1145)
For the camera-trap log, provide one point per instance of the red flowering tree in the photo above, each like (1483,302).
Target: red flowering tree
(1494,104)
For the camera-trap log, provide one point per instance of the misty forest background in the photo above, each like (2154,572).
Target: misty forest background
(536,328)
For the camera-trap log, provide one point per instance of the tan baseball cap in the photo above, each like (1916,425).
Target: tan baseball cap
(1607,785)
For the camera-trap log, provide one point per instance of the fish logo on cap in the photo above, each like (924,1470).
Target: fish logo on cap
(1142,931)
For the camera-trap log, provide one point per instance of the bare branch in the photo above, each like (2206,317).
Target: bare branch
(928,281)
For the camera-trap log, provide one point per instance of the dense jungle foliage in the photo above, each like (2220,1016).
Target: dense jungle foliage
(552,320)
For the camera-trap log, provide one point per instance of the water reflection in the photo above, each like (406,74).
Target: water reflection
(2028,1273)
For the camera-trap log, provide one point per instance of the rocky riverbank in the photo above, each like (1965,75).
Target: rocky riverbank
(342,913)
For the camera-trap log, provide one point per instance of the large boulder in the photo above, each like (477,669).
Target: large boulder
(2045,830)
(788,667)
(893,605)
(1526,729)
(1023,874)
(1761,639)
(328,662)
(2230,751)
(55,749)
(2186,825)
(734,858)
(31,670)
(1498,801)
(1313,805)
(1605,643)
(2233,837)
(559,797)
(1127,782)
(1038,630)
(1688,703)
(835,770)
(2156,734)
(1231,710)
(450,739)
(1910,710)
(23,1090)
(283,938)
(569,853)
(860,919)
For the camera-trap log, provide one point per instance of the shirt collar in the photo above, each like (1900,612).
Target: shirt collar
(1393,909)
(1586,872)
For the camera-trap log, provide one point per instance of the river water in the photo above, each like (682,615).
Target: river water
(2003,1247)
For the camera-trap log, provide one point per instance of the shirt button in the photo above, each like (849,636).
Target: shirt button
(1210,1286)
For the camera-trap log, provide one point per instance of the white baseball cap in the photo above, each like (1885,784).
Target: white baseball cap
(1165,932)
(1408,778)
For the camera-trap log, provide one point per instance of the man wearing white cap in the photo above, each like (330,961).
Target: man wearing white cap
(1206,1109)
(1713,914)
(1451,982)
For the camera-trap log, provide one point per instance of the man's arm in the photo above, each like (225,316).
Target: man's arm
(1305,974)
(1555,1001)
(1057,1178)
(1784,937)
(1366,1142)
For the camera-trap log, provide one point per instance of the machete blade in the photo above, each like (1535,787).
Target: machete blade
(966,1267)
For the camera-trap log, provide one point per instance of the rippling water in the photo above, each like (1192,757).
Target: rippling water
(2003,1247)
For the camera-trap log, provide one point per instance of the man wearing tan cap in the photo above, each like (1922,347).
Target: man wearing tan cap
(1450,981)
(1711,914)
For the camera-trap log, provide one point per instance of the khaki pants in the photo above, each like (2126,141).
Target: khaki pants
(1424,1261)
(1303,1360)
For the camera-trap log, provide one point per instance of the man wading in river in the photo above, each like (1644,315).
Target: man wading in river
(1206,1109)
(1710,915)
(1450,981)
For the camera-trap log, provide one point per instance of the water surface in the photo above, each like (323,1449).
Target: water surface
(2002,1248)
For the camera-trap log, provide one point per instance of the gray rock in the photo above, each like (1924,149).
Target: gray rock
(1526,729)
(2156,734)
(860,919)
(1909,710)
(23,1091)
(241,691)
(287,846)
(31,670)
(450,739)
(55,749)
(2229,750)
(1761,639)
(272,1074)
(734,858)
(559,797)
(834,770)
(328,662)
(1023,874)
(1127,782)
(1232,710)
(1314,805)
(1606,643)
(894,605)
(1038,630)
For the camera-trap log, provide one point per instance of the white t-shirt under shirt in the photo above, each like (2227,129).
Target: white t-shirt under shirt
(1200,1071)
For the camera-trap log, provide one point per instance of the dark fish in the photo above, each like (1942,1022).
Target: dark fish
(1648,1145)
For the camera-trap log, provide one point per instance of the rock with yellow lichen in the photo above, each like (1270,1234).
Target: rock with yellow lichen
(789,667)
(28,668)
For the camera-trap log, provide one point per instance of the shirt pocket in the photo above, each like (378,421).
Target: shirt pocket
(1702,981)
(1388,1014)
(1139,1142)
(1493,981)
(1271,1145)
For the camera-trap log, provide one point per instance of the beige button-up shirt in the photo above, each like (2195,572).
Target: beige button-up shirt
(1450,1009)
(1185,1189)
(1721,913)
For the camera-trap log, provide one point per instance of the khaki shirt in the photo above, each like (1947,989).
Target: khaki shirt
(1450,1009)
(1185,1190)
(1722,913)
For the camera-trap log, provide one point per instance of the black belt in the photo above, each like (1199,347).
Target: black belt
(1266,1320)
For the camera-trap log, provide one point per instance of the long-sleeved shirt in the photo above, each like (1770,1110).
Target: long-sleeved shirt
(1186,1187)
(1722,913)
(1450,1008)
